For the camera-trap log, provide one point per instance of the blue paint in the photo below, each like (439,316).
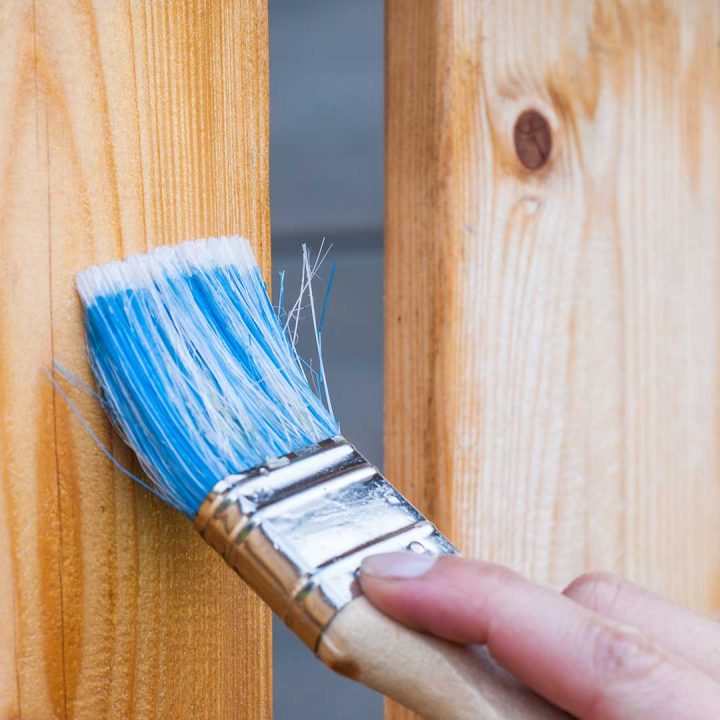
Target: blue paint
(194,367)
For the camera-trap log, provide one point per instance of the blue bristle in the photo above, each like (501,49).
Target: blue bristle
(195,369)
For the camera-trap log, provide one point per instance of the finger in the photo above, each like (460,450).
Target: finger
(681,631)
(588,665)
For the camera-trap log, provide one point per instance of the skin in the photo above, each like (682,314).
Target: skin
(603,649)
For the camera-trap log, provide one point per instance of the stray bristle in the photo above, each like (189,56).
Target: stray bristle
(194,366)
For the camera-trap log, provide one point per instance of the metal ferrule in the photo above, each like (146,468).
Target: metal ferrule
(297,528)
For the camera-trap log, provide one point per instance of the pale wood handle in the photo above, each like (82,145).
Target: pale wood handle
(436,679)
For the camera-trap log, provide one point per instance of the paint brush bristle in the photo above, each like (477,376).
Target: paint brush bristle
(195,367)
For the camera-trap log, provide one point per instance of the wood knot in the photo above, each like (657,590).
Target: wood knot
(533,139)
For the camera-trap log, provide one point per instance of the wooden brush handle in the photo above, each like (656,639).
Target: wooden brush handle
(436,679)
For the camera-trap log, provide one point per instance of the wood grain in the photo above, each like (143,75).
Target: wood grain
(123,126)
(552,359)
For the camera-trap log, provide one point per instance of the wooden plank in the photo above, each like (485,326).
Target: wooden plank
(552,333)
(124,126)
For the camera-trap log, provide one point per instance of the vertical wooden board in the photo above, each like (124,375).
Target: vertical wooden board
(552,334)
(124,126)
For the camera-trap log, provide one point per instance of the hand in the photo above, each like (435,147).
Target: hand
(603,649)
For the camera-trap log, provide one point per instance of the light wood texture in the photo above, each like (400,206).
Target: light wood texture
(438,679)
(123,126)
(552,336)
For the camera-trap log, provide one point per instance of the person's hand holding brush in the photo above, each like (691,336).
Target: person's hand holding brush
(603,649)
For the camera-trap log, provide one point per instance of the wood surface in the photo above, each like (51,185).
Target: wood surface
(123,126)
(442,680)
(552,334)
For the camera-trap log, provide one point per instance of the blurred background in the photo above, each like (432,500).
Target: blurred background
(326,181)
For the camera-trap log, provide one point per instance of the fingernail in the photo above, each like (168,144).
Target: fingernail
(397,565)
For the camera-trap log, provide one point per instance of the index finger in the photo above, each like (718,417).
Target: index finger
(584,663)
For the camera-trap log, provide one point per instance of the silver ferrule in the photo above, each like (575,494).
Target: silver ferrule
(297,528)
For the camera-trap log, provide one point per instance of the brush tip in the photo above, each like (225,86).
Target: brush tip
(143,269)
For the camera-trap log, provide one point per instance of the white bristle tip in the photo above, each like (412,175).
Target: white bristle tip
(142,269)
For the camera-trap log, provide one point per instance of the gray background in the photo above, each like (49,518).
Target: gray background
(326,181)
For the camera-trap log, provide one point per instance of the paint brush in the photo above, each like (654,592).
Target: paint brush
(204,383)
